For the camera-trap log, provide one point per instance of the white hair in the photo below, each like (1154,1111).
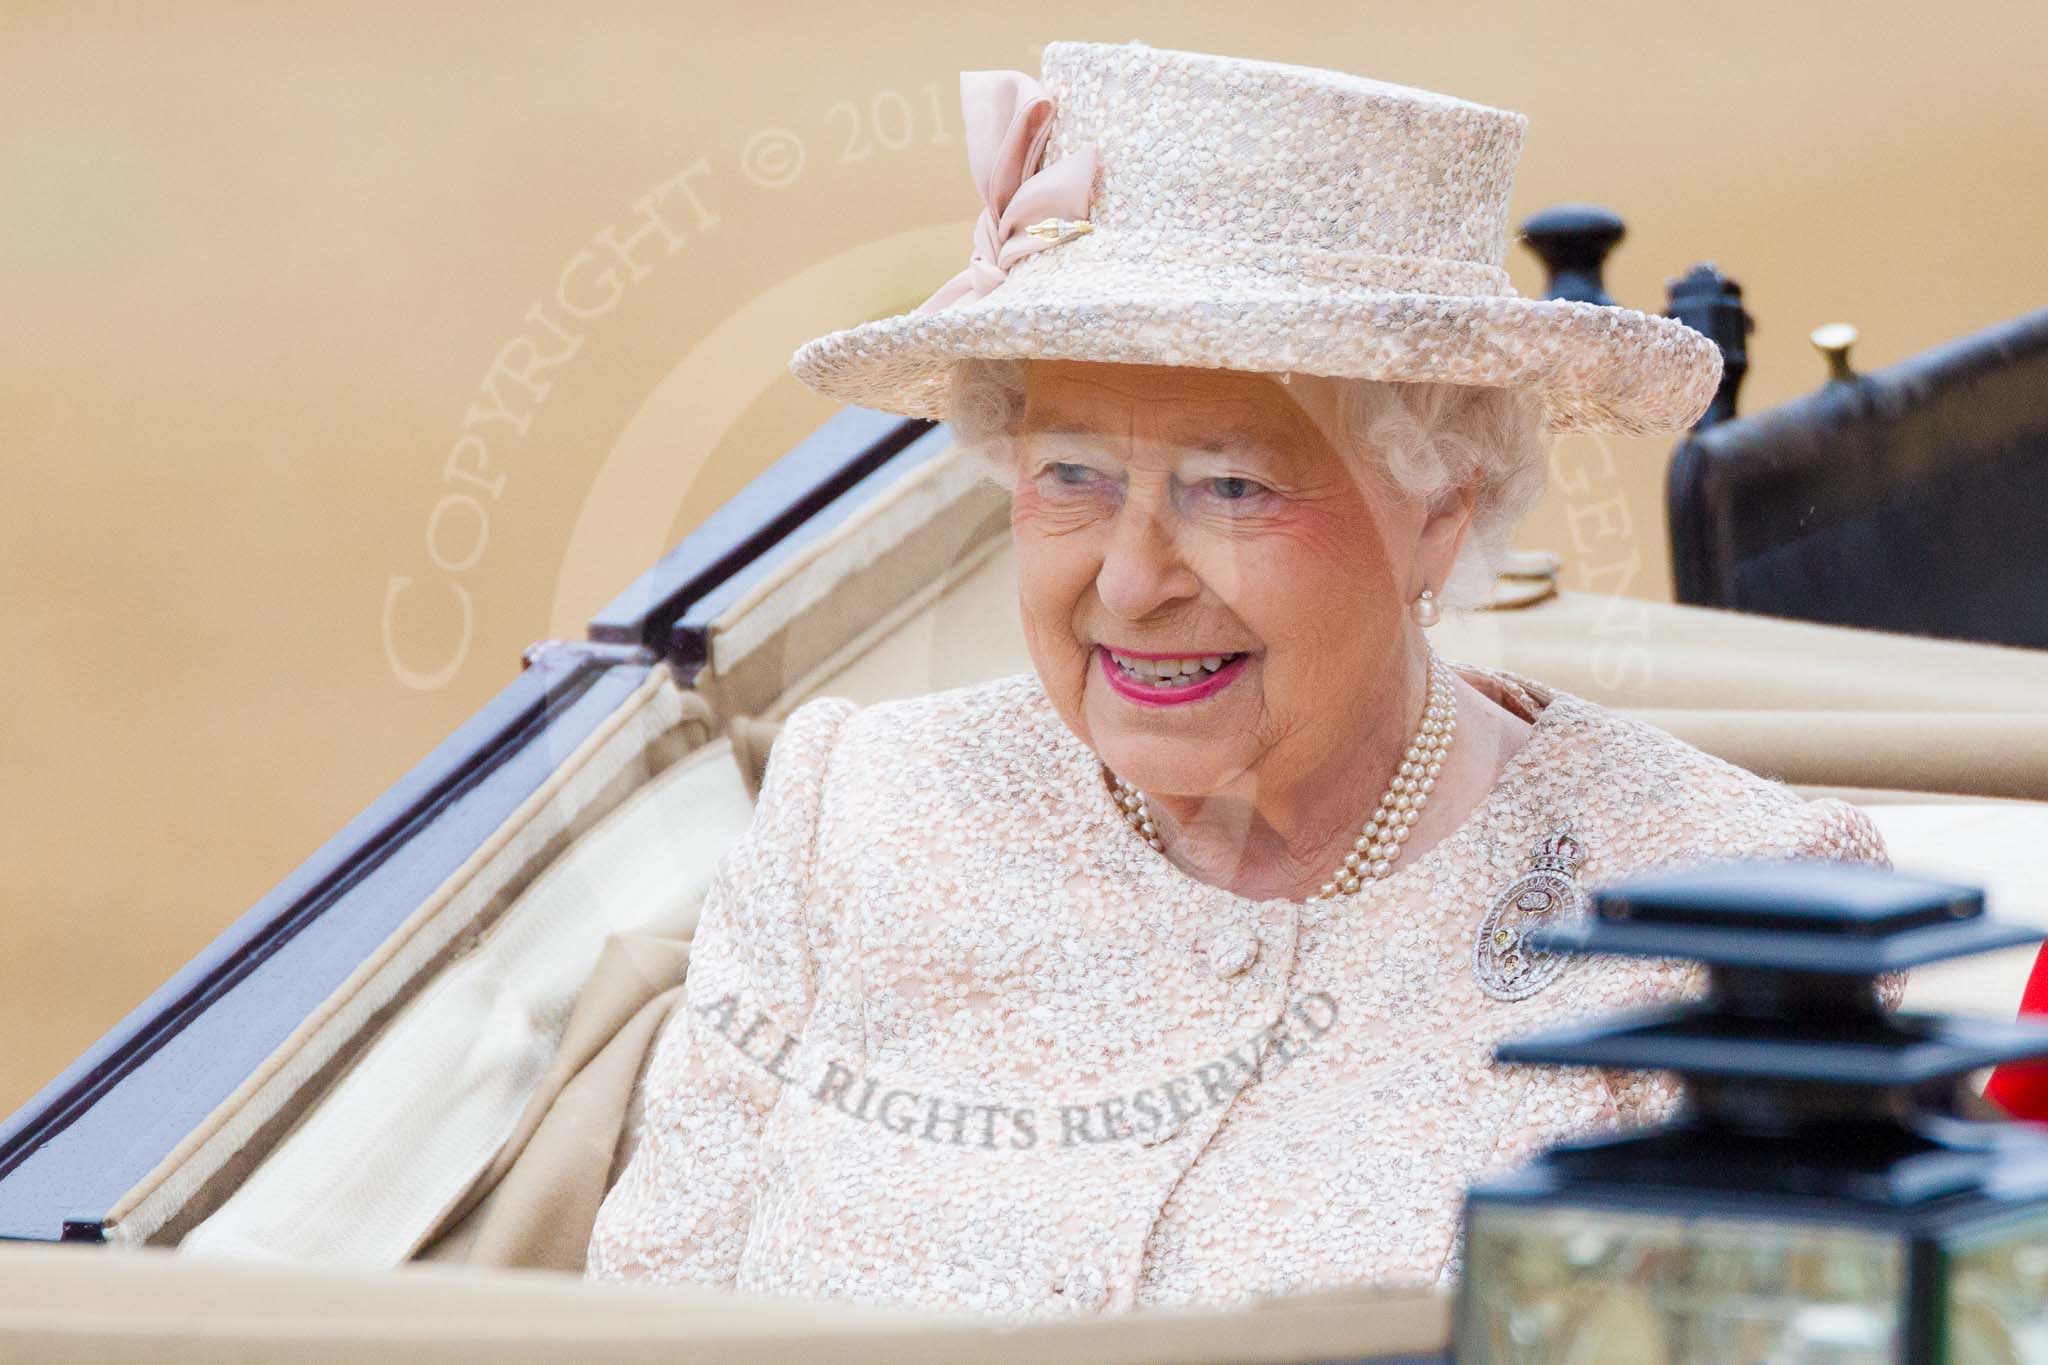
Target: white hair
(1428,438)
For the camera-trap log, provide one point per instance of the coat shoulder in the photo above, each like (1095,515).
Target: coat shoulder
(1000,729)
(1674,802)
(950,754)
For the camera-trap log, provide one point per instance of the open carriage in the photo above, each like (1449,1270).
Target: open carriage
(423,1045)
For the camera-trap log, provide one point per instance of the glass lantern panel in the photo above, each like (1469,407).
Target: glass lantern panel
(1998,1293)
(1578,1286)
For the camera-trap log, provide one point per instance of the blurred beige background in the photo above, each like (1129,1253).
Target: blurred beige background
(339,359)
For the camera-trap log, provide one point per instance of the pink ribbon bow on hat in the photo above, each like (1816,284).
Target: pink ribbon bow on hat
(1009,118)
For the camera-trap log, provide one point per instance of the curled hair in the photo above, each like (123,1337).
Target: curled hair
(1428,439)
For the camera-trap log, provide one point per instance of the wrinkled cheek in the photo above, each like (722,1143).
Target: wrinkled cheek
(1354,543)
(1321,595)
(1052,581)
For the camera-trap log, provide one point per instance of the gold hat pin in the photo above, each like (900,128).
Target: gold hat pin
(1057,230)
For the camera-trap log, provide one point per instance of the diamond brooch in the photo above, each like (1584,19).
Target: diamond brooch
(1507,965)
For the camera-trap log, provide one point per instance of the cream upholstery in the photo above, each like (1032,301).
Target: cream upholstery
(873,572)
(2002,847)
(64,1306)
(648,731)
(399,1140)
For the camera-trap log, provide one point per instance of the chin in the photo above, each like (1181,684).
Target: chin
(1151,761)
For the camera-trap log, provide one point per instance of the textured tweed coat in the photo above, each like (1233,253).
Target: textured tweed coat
(956,1037)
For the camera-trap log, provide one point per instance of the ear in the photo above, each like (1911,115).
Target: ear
(1443,535)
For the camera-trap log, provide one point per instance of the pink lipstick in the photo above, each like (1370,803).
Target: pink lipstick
(1130,689)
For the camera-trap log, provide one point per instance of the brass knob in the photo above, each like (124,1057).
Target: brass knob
(1834,341)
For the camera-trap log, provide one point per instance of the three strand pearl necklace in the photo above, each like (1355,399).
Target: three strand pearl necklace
(1375,851)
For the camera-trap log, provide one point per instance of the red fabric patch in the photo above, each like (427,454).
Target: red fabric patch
(2022,1090)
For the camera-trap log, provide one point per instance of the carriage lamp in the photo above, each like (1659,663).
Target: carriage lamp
(1820,1197)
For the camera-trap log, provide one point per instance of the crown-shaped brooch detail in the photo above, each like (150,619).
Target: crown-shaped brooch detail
(1559,852)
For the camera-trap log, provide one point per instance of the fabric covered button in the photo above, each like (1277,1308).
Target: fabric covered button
(1085,1289)
(1233,952)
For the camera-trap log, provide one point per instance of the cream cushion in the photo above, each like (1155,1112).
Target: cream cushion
(374,1166)
(650,728)
(65,1306)
(1999,846)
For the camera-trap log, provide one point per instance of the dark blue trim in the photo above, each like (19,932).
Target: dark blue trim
(782,498)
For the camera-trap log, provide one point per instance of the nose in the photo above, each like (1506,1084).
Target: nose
(1142,568)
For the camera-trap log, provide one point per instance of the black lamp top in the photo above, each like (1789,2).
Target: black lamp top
(1799,1083)
(1845,1048)
(1809,915)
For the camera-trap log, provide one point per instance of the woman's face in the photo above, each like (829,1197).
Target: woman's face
(1164,515)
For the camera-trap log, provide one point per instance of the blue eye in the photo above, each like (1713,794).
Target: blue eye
(1233,489)
(1072,473)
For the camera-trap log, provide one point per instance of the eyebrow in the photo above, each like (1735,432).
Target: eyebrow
(1062,429)
(1228,441)
(1232,440)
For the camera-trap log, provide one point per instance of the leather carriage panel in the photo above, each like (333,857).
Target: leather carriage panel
(1910,499)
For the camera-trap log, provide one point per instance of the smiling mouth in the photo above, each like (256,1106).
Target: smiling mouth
(1183,671)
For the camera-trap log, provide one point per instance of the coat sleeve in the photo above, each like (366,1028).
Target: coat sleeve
(681,1208)
(1828,829)
(1844,833)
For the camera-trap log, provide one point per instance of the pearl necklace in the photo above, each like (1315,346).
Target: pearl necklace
(1375,851)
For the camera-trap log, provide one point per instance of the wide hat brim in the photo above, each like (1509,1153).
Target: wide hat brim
(1599,368)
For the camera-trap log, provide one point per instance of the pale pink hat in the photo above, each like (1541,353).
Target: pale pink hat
(1150,206)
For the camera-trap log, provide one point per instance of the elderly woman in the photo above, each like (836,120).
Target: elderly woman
(1170,971)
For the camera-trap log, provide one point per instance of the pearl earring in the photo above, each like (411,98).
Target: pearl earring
(1424,610)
